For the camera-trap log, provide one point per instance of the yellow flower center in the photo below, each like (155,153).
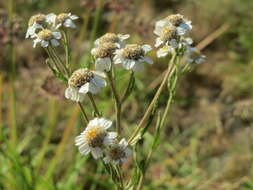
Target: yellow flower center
(80,77)
(168,33)
(39,19)
(45,34)
(105,50)
(109,37)
(62,17)
(133,51)
(95,137)
(176,20)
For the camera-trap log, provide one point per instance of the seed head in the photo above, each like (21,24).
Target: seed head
(45,34)
(39,18)
(168,33)
(176,19)
(116,153)
(105,50)
(80,77)
(133,51)
(109,37)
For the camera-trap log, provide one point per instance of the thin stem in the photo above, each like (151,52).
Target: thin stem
(120,176)
(66,46)
(170,70)
(117,102)
(94,104)
(83,111)
(53,59)
(60,61)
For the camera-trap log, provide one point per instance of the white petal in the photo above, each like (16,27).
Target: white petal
(112,135)
(74,17)
(50,18)
(104,123)
(173,43)
(44,43)
(54,42)
(123,37)
(35,42)
(138,67)
(158,42)
(57,35)
(147,60)
(99,82)
(146,48)
(84,149)
(123,143)
(69,23)
(96,153)
(103,64)
(84,89)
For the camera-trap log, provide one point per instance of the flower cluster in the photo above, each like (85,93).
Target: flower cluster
(44,29)
(95,139)
(110,48)
(171,38)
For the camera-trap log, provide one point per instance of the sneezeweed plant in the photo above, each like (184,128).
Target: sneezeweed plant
(111,52)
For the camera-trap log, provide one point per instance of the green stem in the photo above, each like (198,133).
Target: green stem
(117,102)
(84,113)
(94,105)
(170,70)
(67,48)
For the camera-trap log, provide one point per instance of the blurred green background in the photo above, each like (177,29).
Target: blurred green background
(208,139)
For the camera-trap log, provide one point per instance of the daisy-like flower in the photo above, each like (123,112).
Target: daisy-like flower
(35,22)
(132,56)
(95,137)
(46,37)
(63,19)
(167,35)
(183,25)
(83,81)
(113,38)
(103,55)
(194,56)
(117,153)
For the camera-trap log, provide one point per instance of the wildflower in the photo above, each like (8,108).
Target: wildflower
(95,137)
(194,56)
(64,19)
(132,56)
(183,25)
(103,55)
(35,22)
(83,81)
(113,38)
(118,153)
(46,37)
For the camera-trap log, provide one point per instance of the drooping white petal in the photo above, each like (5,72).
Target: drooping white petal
(104,122)
(138,67)
(50,18)
(158,42)
(54,42)
(99,82)
(84,89)
(103,64)
(146,48)
(74,17)
(84,149)
(57,35)
(147,60)
(44,43)
(69,23)
(96,152)
(35,42)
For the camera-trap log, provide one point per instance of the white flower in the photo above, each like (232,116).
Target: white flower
(117,153)
(164,51)
(132,56)
(64,19)
(83,81)
(113,38)
(95,137)
(35,22)
(183,25)
(104,54)
(46,37)
(194,56)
